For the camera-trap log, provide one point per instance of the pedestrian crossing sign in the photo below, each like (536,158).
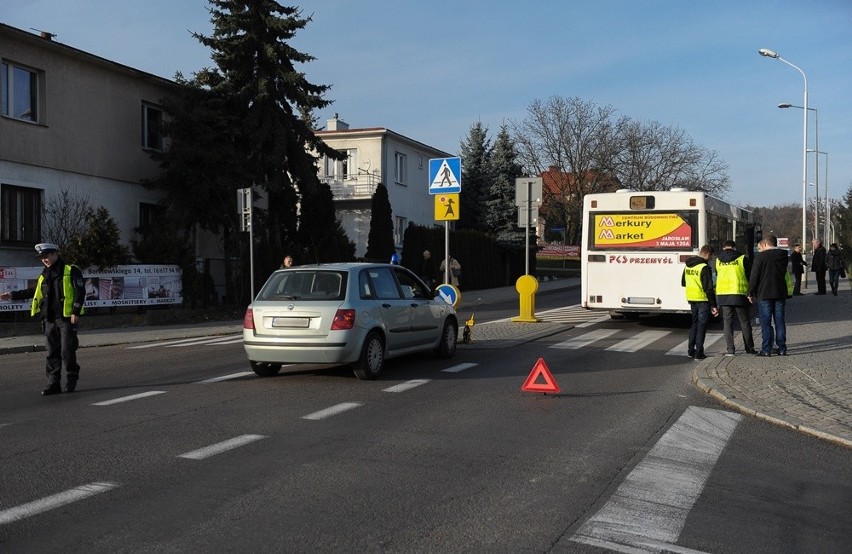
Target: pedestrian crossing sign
(444,175)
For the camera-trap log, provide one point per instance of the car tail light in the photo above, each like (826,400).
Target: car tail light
(248,319)
(343,319)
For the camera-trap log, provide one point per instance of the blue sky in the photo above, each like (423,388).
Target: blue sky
(430,70)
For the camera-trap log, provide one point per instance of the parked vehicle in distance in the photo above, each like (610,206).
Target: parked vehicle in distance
(348,313)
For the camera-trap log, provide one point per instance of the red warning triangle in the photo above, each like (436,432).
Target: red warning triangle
(540,369)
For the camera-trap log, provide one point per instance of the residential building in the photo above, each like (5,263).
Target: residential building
(72,121)
(377,155)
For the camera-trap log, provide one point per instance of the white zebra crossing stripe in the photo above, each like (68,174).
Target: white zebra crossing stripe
(208,340)
(638,341)
(585,339)
(333,410)
(681,349)
(226,377)
(648,510)
(129,398)
(459,367)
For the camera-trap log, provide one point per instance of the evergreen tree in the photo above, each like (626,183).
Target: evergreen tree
(475,154)
(501,216)
(256,73)
(380,244)
(99,244)
(320,233)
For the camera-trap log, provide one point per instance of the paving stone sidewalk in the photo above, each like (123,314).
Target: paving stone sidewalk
(810,389)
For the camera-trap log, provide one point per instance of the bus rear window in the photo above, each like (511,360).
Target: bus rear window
(641,202)
(672,231)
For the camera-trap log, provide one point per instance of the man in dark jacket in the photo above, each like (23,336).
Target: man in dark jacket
(819,266)
(698,279)
(797,264)
(767,286)
(732,271)
(58,297)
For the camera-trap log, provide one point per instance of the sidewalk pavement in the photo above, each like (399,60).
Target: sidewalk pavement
(809,390)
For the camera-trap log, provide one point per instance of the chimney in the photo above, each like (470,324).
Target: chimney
(336,124)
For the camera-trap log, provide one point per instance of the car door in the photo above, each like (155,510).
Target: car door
(425,321)
(394,310)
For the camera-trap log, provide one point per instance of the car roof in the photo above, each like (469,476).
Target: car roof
(342,266)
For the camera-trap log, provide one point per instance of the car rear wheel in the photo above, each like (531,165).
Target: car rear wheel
(265,369)
(449,340)
(370,364)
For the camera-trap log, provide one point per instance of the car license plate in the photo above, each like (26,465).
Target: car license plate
(291,322)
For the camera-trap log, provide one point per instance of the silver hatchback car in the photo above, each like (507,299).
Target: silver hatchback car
(349,313)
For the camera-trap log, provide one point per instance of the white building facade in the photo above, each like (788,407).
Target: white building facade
(377,155)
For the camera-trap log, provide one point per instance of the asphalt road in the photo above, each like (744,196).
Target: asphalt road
(438,455)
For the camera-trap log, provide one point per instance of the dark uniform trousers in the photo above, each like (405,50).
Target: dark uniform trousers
(62,345)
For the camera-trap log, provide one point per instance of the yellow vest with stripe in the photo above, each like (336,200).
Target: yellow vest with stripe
(694,289)
(67,291)
(730,277)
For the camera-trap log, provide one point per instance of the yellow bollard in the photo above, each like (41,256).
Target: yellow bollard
(526,285)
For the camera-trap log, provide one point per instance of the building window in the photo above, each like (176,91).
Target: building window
(19,89)
(149,214)
(399,224)
(20,208)
(152,127)
(340,170)
(400,168)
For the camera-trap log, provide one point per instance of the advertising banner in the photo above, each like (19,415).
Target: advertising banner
(123,285)
(630,231)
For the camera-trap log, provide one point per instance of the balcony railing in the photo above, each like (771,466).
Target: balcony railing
(352,187)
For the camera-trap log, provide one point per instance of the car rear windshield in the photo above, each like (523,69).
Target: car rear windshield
(305,284)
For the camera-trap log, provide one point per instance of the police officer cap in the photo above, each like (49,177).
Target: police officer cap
(45,248)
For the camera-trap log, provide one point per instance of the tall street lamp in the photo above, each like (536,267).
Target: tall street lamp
(827,234)
(770,54)
(816,160)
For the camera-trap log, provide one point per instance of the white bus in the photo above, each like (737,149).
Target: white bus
(635,245)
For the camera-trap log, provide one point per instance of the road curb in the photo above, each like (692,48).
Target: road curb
(708,386)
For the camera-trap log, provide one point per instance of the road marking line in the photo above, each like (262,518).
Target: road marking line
(584,340)
(205,340)
(407,385)
(637,342)
(160,343)
(220,447)
(594,321)
(680,349)
(334,410)
(459,367)
(54,501)
(650,507)
(129,398)
(226,377)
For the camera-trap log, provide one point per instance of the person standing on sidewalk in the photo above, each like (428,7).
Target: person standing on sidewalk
(834,262)
(698,280)
(798,264)
(767,285)
(58,297)
(732,271)
(818,266)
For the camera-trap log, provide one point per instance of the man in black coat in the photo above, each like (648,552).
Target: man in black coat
(767,285)
(797,263)
(819,266)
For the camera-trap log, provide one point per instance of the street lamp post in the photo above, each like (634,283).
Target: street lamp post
(770,54)
(816,161)
(828,238)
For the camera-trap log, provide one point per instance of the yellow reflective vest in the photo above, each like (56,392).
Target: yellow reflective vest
(694,289)
(731,277)
(67,292)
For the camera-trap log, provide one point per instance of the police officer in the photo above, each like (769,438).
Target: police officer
(58,296)
(698,279)
(732,271)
